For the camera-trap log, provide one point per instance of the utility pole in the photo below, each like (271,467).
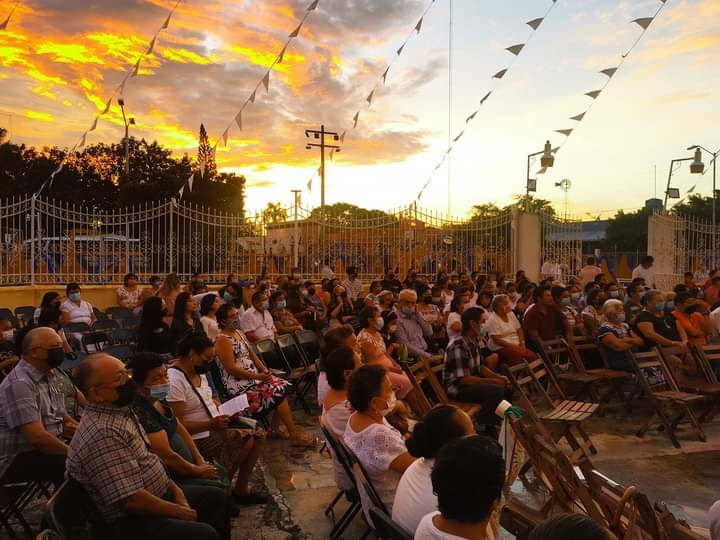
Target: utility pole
(296,243)
(127,121)
(322,145)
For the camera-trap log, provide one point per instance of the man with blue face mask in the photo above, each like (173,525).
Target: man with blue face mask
(75,309)
(412,329)
(257,322)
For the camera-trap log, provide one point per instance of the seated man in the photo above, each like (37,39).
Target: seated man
(466,376)
(468,478)
(110,457)
(412,329)
(256,322)
(32,413)
(544,321)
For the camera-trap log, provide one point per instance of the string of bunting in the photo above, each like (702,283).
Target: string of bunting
(131,72)
(515,51)
(644,23)
(4,24)
(379,82)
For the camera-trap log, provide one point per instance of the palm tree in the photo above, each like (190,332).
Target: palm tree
(530,204)
(274,213)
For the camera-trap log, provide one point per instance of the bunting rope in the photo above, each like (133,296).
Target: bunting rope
(4,24)
(644,23)
(379,82)
(515,50)
(132,72)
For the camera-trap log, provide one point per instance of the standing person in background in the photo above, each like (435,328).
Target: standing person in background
(168,292)
(326,272)
(644,270)
(589,271)
(129,295)
(352,284)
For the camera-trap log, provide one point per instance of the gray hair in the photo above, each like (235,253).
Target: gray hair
(612,305)
(406,294)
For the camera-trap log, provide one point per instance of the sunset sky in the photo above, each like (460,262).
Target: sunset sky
(60,61)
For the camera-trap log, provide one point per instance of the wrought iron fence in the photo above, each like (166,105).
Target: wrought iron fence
(561,241)
(48,241)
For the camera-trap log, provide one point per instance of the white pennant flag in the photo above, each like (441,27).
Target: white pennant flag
(282,54)
(319,170)
(418,26)
(370,97)
(594,94)
(266,81)
(295,32)
(535,23)
(107,106)
(332,152)
(238,120)
(181,192)
(691,190)
(578,117)
(167,21)
(542,171)
(312,6)
(252,96)
(484,99)
(342,136)
(515,49)
(309,185)
(355,119)
(385,73)
(609,71)
(644,22)
(500,74)
(94,124)
(134,72)
(565,132)
(225,136)
(190,181)
(400,50)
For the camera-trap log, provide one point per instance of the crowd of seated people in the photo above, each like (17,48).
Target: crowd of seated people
(195,349)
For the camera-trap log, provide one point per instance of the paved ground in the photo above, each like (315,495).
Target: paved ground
(301,481)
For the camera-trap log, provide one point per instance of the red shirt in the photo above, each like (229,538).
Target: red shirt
(694,321)
(548,325)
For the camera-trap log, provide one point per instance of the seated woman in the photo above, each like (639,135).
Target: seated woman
(130,294)
(376,444)
(242,372)
(693,318)
(414,496)
(615,337)
(431,314)
(373,350)
(457,307)
(340,308)
(507,338)
(192,402)
(209,305)
(285,321)
(186,319)
(339,364)
(655,326)
(592,313)
(168,438)
(299,305)
(342,335)
(153,333)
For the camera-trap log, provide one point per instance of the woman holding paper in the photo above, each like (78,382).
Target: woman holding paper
(190,398)
(242,372)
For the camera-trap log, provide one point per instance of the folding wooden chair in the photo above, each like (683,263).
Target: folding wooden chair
(676,529)
(563,417)
(431,374)
(694,376)
(670,404)
(710,355)
(578,383)
(417,374)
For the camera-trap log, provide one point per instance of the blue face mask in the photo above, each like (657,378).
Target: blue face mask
(614,294)
(159,391)
(74,296)
(670,305)
(407,311)
(282,304)
(565,301)
(227,297)
(575,296)
(265,304)
(659,306)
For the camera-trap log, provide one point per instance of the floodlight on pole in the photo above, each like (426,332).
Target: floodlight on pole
(698,167)
(547,160)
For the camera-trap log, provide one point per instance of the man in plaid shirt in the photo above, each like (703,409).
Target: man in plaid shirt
(466,377)
(110,457)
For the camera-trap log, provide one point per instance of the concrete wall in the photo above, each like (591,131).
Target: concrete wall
(526,244)
(100,296)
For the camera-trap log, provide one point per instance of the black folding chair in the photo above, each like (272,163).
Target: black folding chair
(105,325)
(14,498)
(302,373)
(124,336)
(76,328)
(386,528)
(6,313)
(270,354)
(310,344)
(123,352)
(24,315)
(94,341)
(71,513)
(99,315)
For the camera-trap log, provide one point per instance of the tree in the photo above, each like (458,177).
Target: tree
(627,231)
(486,210)
(206,155)
(345,214)
(696,206)
(274,213)
(533,205)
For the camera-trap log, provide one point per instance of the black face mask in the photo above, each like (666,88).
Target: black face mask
(126,393)
(55,357)
(202,368)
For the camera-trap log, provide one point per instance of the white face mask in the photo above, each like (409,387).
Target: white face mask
(390,405)
(8,335)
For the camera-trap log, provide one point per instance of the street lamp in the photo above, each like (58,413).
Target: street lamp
(672,193)
(128,122)
(698,167)
(546,161)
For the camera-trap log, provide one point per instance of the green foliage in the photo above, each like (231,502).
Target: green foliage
(206,155)
(696,206)
(522,202)
(627,231)
(345,213)
(274,213)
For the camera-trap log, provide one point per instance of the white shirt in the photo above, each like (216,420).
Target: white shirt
(506,330)
(414,496)
(335,420)
(588,273)
(181,391)
(428,531)
(714,514)
(78,314)
(210,326)
(453,334)
(715,318)
(322,387)
(648,274)
(326,272)
(260,323)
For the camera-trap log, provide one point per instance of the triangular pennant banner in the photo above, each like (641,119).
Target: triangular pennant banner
(565,132)
(190,181)
(355,119)
(94,124)
(535,23)
(609,71)
(82,140)
(134,71)
(107,106)
(320,170)
(500,74)
(578,117)
(181,192)
(385,73)
(238,120)
(418,26)
(456,139)
(332,153)
(151,46)
(225,136)
(370,97)
(471,117)
(644,22)
(515,49)
(400,50)
(342,136)
(266,81)
(484,99)
(282,54)
(691,190)
(167,21)
(554,150)
(594,94)
(296,32)
(252,96)
(309,185)
(4,24)
(122,85)
(312,6)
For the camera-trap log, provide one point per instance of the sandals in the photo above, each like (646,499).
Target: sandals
(305,441)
